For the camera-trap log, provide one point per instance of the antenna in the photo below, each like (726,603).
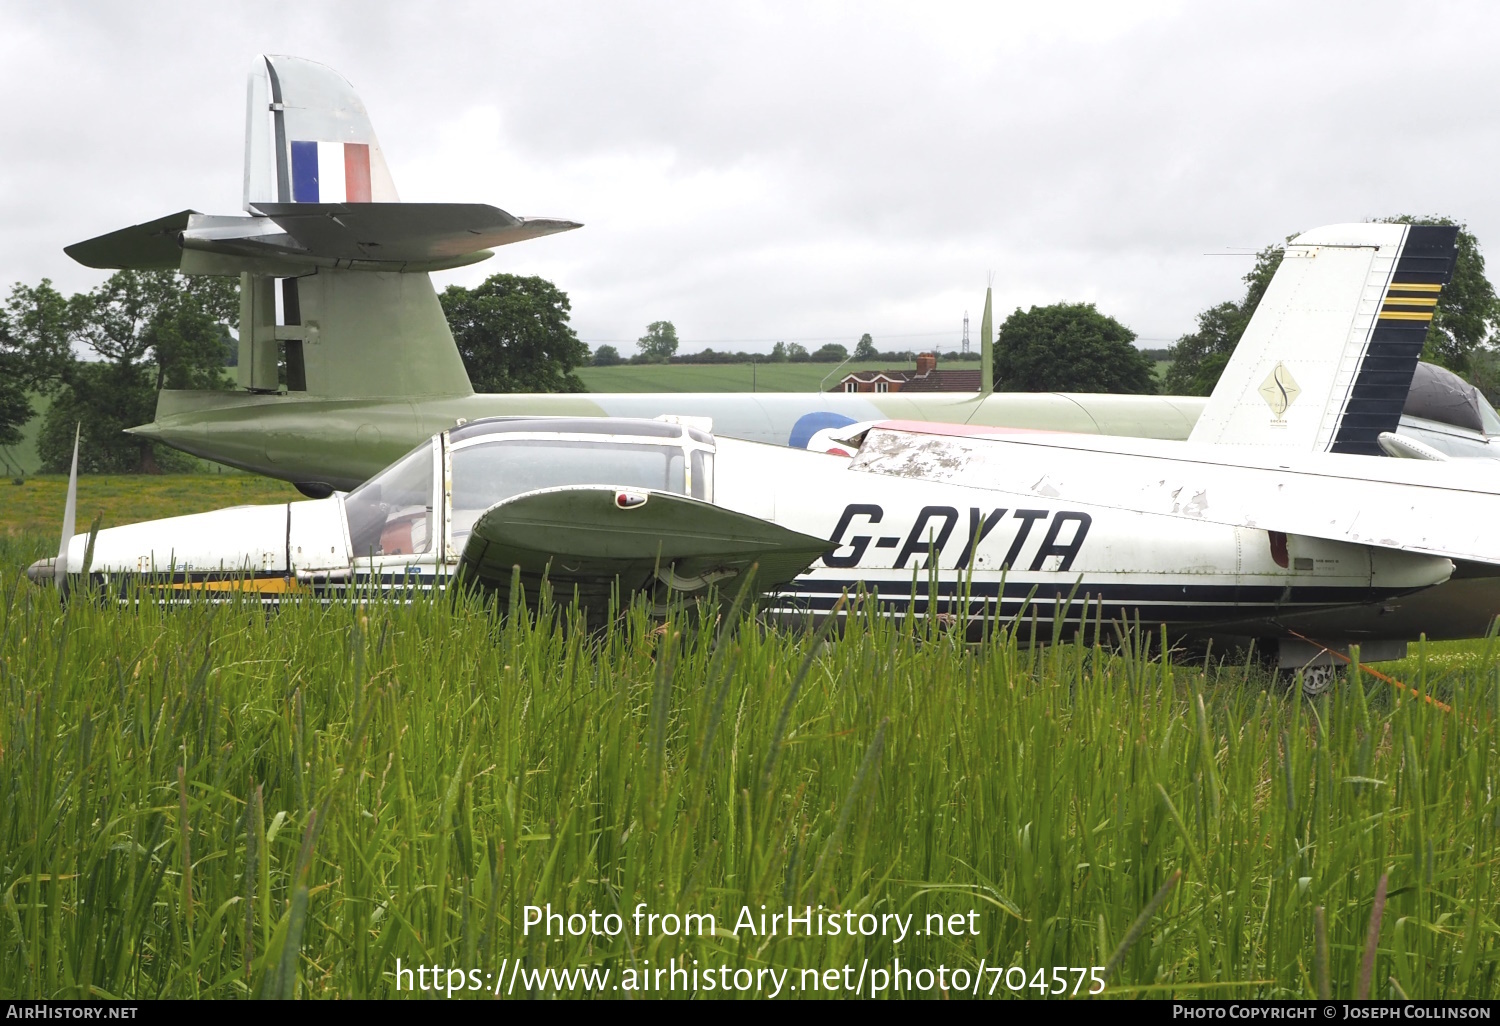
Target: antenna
(987,341)
(964,346)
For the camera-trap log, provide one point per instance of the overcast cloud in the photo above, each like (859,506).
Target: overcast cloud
(763,171)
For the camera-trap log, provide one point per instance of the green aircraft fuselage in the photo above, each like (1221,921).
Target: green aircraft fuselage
(339,442)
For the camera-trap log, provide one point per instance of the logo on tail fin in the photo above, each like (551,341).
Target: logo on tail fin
(1279,391)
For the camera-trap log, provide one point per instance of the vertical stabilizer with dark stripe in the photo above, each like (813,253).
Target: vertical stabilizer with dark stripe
(1327,360)
(1385,372)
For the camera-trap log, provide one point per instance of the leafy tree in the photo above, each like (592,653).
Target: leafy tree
(796,352)
(513,335)
(607,356)
(151,330)
(39,325)
(103,399)
(830,353)
(778,353)
(15,407)
(865,348)
(1069,347)
(659,344)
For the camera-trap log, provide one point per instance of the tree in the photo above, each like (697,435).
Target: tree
(865,348)
(39,325)
(796,352)
(607,356)
(832,352)
(659,344)
(15,407)
(1199,358)
(1466,308)
(778,353)
(513,335)
(152,330)
(1069,347)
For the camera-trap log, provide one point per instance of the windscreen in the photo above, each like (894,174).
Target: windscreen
(486,474)
(391,514)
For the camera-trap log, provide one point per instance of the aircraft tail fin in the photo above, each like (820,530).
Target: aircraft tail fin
(1328,357)
(334,297)
(308,138)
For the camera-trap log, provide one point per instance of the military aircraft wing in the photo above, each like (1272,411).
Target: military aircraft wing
(590,536)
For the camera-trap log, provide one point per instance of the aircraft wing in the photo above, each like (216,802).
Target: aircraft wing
(1438,508)
(591,537)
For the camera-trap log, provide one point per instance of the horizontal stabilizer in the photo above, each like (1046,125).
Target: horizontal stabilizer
(404,232)
(1429,507)
(1405,448)
(590,537)
(292,239)
(153,246)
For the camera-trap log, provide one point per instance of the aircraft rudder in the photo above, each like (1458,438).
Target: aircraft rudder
(1328,356)
(309,139)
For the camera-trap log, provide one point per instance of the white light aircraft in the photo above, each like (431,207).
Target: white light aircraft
(1275,522)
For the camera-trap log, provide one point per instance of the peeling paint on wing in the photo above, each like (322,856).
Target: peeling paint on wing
(1042,487)
(1198,504)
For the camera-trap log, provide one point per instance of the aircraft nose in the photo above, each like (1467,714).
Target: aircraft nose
(41,572)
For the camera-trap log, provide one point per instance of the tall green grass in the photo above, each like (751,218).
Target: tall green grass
(216,802)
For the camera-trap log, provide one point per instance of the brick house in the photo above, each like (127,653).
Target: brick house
(926,378)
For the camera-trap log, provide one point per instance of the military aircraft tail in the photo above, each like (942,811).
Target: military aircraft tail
(308,138)
(335,301)
(1327,360)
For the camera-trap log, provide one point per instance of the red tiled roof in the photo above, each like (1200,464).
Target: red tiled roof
(943,381)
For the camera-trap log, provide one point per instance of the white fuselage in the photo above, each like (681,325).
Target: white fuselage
(979,553)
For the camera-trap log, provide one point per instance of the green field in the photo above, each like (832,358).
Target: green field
(36,507)
(736,377)
(216,802)
(730,377)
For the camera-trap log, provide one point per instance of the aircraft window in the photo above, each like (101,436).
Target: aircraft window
(1488,417)
(703,475)
(391,514)
(486,474)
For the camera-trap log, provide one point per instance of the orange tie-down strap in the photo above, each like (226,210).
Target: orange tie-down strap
(1366,668)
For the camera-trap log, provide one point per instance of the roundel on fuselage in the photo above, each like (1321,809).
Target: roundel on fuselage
(810,424)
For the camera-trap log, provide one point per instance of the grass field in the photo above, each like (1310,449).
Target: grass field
(736,377)
(36,507)
(731,377)
(216,802)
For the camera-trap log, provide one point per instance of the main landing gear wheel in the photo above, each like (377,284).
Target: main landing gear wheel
(1318,679)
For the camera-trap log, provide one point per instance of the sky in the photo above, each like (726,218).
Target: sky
(808,172)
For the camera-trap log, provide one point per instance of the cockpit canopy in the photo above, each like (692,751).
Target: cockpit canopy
(426,503)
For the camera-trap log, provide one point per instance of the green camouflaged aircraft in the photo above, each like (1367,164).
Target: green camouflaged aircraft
(371,368)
